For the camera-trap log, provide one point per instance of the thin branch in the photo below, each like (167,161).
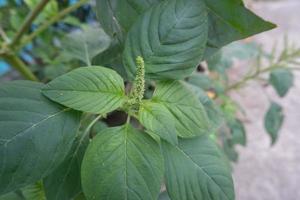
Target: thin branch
(28,21)
(51,21)
(19,65)
(3,35)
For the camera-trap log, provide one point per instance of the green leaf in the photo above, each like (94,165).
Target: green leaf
(238,133)
(229,150)
(111,15)
(187,112)
(36,134)
(157,119)
(214,113)
(86,44)
(229,21)
(91,89)
(195,169)
(170,36)
(282,80)
(65,182)
(273,121)
(201,80)
(122,163)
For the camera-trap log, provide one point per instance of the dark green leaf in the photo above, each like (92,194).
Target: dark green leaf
(229,21)
(195,169)
(282,80)
(229,150)
(85,45)
(214,114)
(122,163)
(111,15)
(273,121)
(170,36)
(238,133)
(91,89)
(65,182)
(36,134)
(157,119)
(187,112)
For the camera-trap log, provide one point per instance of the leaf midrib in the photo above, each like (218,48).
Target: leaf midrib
(36,124)
(204,172)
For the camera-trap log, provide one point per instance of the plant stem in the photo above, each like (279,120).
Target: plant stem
(19,65)
(250,77)
(51,21)
(85,133)
(28,21)
(3,35)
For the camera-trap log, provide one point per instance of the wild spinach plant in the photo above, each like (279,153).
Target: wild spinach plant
(52,141)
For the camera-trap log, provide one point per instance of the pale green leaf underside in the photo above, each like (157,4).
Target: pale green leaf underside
(122,163)
(187,112)
(273,120)
(157,119)
(86,44)
(195,170)
(170,36)
(90,89)
(30,145)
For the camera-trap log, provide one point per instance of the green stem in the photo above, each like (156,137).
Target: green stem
(28,21)
(19,65)
(51,21)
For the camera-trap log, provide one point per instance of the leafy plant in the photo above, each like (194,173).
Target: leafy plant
(57,140)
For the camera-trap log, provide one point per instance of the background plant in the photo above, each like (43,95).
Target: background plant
(129,159)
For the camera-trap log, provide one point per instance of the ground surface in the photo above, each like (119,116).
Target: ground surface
(265,173)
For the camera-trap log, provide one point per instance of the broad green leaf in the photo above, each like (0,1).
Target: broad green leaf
(238,133)
(86,44)
(224,26)
(230,20)
(157,119)
(273,121)
(282,80)
(170,36)
(122,163)
(111,15)
(65,183)
(36,134)
(214,113)
(187,112)
(91,89)
(195,169)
